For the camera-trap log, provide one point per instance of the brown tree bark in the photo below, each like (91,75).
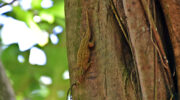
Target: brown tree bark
(171,10)
(122,67)
(6,91)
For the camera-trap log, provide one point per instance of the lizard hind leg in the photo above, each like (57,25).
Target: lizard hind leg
(91,44)
(86,69)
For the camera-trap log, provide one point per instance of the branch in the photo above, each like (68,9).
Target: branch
(4,4)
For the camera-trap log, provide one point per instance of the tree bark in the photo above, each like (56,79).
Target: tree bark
(6,91)
(120,68)
(171,10)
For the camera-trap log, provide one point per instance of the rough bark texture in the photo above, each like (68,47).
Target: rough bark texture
(6,91)
(107,76)
(171,10)
(118,70)
(144,52)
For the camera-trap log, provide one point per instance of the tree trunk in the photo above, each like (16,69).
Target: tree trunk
(132,58)
(6,91)
(171,10)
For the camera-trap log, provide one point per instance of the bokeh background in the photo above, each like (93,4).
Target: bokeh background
(33,48)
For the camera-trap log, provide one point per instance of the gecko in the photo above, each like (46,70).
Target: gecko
(83,54)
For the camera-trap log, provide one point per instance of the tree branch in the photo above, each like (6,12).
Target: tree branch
(4,4)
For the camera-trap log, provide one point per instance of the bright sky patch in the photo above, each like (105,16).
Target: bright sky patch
(54,39)
(37,56)
(46,80)
(66,75)
(47,3)
(57,30)
(21,59)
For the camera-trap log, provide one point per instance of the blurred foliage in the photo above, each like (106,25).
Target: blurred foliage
(25,77)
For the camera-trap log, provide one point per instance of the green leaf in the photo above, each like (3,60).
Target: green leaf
(36,4)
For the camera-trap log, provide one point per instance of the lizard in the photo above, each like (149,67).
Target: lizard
(84,53)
